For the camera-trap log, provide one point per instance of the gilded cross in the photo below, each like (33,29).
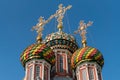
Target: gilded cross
(39,26)
(82,30)
(60,14)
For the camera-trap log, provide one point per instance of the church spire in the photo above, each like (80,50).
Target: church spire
(82,30)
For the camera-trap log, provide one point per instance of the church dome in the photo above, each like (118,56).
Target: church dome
(62,40)
(60,35)
(86,54)
(37,51)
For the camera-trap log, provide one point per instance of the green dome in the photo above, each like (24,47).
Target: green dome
(37,51)
(86,54)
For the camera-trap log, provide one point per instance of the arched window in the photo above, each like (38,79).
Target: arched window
(61,63)
(69,68)
(45,73)
(99,76)
(30,73)
(91,73)
(69,65)
(83,74)
(37,71)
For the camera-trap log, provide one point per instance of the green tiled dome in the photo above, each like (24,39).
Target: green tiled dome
(37,51)
(87,54)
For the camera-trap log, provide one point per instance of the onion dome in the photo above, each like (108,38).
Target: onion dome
(86,54)
(61,39)
(37,51)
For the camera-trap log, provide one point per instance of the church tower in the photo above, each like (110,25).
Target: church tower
(37,59)
(87,61)
(57,57)
(63,46)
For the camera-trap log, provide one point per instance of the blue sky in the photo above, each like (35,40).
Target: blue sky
(18,16)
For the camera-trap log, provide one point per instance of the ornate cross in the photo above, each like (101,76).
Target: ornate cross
(82,30)
(39,26)
(60,14)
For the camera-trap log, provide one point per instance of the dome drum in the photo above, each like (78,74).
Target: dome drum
(61,40)
(59,35)
(88,61)
(62,44)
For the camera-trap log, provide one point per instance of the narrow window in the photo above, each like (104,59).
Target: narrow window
(45,73)
(83,74)
(37,70)
(69,66)
(61,63)
(30,73)
(99,76)
(91,73)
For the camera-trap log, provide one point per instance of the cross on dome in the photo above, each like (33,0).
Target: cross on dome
(40,26)
(82,30)
(60,14)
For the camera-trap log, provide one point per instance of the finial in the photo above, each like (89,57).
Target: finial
(60,14)
(82,30)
